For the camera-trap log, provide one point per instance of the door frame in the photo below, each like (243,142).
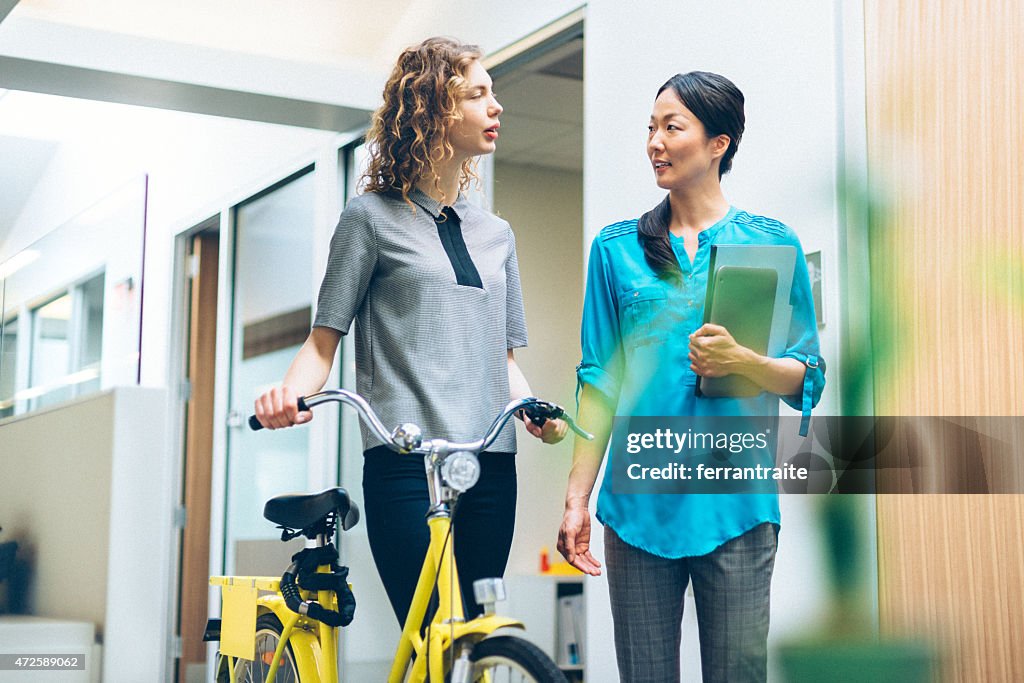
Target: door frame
(196,269)
(177,396)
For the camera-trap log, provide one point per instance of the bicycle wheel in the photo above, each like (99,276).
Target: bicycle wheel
(507,659)
(268,634)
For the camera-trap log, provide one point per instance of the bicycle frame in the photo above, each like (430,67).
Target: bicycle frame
(448,624)
(315,649)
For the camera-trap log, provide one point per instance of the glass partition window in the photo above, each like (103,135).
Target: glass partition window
(71,304)
(272,306)
(8,359)
(51,352)
(91,324)
(67,343)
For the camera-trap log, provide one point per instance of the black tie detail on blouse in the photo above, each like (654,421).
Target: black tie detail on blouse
(449,229)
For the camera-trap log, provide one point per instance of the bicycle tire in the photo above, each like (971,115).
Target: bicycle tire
(513,660)
(268,634)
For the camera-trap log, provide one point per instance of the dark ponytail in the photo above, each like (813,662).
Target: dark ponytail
(718,105)
(652,232)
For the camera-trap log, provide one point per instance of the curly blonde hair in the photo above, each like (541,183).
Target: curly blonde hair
(408,134)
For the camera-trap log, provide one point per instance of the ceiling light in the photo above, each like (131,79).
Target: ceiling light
(17,262)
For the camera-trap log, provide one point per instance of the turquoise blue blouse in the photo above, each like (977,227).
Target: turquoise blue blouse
(635,346)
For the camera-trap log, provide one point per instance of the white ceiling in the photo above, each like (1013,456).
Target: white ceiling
(261,59)
(23,162)
(542,124)
(310,30)
(338,33)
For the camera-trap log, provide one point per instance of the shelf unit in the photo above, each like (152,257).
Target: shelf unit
(534,599)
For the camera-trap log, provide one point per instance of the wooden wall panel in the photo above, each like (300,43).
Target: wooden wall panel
(945,114)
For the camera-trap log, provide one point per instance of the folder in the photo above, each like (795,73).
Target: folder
(570,630)
(748,294)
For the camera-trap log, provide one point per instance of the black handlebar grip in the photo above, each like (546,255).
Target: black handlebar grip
(254,424)
(539,413)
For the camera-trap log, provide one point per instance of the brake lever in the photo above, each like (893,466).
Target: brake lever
(576,428)
(556,412)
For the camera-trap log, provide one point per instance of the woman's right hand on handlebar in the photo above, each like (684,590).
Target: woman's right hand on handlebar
(279,408)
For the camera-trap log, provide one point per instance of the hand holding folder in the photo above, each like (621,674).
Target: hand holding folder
(748,294)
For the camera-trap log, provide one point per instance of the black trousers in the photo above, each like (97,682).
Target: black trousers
(396,502)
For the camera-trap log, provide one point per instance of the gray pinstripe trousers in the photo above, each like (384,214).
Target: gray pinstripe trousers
(731,589)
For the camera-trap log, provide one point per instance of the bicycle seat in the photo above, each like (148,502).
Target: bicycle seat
(303,510)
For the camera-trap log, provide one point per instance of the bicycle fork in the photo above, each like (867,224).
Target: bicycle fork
(448,625)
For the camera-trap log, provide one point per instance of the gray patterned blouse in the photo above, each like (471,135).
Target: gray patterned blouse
(429,350)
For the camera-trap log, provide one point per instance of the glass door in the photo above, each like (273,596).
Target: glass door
(271,316)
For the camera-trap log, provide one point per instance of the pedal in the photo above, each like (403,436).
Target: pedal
(212,633)
(489,591)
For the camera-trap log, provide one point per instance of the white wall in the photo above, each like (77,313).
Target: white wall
(55,502)
(192,159)
(196,166)
(783,58)
(544,207)
(87,494)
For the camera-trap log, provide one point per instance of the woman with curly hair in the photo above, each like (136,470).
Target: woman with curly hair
(432,282)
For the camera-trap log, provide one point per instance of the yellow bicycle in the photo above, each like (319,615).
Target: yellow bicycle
(286,629)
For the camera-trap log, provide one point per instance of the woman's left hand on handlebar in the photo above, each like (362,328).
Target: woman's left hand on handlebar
(277,408)
(714,352)
(552,432)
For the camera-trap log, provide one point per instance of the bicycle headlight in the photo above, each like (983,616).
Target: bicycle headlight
(461,471)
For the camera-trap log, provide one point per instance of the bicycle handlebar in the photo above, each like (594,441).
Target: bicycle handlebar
(405,438)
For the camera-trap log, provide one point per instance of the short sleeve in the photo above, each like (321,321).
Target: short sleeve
(515,316)
(600,338)
(802,342)
(350,267)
